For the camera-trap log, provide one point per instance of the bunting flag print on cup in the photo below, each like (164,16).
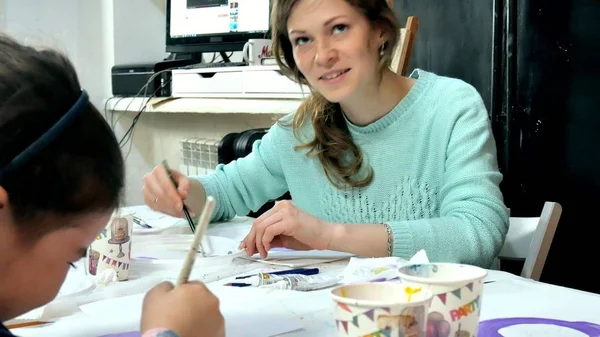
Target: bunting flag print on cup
(112,247)
(457,291)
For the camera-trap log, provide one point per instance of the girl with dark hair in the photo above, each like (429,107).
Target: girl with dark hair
(61,177)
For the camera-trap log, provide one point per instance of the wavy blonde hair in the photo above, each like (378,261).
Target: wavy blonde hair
(332,142)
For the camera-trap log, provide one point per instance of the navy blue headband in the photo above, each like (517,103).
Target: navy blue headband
(49,136)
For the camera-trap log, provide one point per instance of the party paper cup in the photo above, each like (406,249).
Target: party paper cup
(112,247)
(457,291)
(381,309)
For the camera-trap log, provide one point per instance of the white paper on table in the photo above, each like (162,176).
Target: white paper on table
(300,263)
(244,310)
(378,269)
(298,258)
(176,247)
(158,221)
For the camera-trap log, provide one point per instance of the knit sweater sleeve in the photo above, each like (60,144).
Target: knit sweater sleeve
(247,183)
(473,219)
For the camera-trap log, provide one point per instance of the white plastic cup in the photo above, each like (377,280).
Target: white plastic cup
(457,291)
(381,309)
(112,247)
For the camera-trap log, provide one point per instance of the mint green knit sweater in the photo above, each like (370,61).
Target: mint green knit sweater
(435,176)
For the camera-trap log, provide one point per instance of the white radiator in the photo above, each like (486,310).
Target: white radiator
(198,155)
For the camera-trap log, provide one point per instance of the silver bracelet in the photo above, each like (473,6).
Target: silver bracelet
(390,240)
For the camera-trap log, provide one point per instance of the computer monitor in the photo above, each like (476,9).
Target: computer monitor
(197,26)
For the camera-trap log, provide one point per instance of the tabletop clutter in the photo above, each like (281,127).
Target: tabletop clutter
(369,296)
(372,297)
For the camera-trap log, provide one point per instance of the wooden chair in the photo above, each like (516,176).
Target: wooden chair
(401,56)
(529,239)
(403,51)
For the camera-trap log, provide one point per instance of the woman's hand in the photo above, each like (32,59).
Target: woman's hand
(160,194)
(287,226)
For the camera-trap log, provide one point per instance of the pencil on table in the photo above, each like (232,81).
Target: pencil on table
(200,229)
(25,324)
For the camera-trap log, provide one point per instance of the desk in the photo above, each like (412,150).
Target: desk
(508,296)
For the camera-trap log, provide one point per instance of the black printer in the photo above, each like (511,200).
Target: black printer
(129,79)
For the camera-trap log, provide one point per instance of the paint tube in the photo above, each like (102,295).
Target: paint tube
(304,282)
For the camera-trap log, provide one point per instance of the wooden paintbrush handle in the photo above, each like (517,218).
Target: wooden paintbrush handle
(202,225)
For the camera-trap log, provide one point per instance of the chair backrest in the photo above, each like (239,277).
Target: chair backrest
(408,34)
(403,51)
(530,239)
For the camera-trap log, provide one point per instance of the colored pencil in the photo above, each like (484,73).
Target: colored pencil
(26,324)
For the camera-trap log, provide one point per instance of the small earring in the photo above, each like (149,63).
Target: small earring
(382,50)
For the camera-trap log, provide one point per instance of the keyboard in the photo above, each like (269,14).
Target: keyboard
(215,65)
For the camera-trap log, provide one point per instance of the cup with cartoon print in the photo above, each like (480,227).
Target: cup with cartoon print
(112,247)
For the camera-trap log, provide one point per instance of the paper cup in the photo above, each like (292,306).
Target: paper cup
(112,247)
(381,309)
(457,291)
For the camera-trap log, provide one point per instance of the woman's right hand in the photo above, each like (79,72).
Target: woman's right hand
(188,310)
(161,195)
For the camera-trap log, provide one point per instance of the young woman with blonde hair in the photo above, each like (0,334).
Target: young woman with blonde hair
(377,164)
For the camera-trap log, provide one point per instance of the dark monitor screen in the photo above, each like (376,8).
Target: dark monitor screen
(215,25)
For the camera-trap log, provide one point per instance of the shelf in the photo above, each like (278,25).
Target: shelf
(204,105)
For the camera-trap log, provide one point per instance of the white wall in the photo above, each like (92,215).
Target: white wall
(157,137)
(95,48)
(2,15)
(96,34)
(139,31)
(37,22)
(80,29)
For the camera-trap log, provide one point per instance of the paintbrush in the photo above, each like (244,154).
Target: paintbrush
(202,225)
(185,210)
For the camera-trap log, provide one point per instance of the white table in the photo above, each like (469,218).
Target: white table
(508,296)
